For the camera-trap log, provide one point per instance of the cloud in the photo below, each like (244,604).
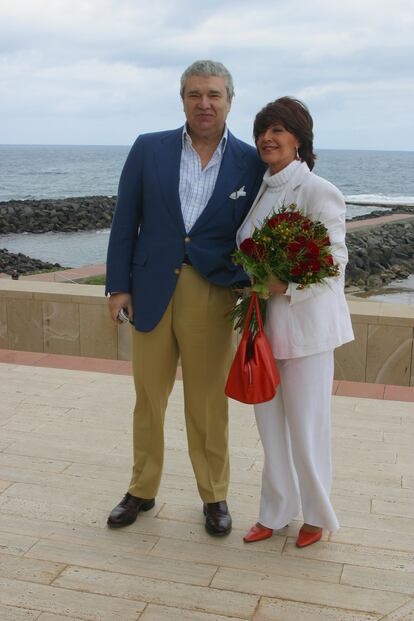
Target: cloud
(108,69)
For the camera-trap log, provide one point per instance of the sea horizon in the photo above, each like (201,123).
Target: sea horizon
(128,145)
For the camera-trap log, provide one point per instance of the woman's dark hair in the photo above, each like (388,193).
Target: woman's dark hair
(295,117)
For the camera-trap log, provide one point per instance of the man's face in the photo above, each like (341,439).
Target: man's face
(206,105)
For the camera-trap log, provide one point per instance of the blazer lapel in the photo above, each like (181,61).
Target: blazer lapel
(231,170)
(167,155)
(252,208)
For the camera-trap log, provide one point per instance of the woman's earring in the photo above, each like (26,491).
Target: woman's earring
(297,153)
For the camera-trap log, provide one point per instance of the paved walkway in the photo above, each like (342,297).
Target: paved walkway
(120,367)
(65,461)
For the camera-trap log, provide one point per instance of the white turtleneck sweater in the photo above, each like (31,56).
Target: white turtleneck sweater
(303,322)
(271,200)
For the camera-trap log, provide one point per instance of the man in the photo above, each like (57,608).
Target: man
(182,195)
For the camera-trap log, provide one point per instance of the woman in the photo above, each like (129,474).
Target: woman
(304,327)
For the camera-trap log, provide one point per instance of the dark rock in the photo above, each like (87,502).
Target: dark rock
(380,254)
(15,264)
(67,214)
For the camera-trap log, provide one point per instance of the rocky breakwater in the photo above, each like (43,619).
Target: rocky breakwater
(380,254)
(42,216)
(66,214)
(15,264)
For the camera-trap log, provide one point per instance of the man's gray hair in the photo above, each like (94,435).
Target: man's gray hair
(208,68)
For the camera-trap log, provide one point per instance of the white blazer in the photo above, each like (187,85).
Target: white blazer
(315,319)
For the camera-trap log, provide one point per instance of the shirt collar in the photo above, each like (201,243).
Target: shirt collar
(186,139)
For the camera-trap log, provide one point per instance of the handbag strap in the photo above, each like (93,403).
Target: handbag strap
(253,304)
(258,313)
(246,330)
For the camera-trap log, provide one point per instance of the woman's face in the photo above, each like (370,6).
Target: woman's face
(277,147)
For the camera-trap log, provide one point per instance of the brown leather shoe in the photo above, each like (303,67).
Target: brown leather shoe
(218,518)
(127,511)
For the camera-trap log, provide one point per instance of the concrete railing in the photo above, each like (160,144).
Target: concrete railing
(73,319)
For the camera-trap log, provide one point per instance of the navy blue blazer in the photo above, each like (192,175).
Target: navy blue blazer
(148,238)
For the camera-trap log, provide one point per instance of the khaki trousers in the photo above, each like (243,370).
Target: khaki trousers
(194,327)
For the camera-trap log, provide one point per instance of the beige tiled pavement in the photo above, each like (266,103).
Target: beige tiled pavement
(65,448)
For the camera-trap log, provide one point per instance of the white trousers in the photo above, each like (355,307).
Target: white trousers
(295,429)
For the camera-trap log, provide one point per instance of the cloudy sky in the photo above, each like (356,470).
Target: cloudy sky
(102,71)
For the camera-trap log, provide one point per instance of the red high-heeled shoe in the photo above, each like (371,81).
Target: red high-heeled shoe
(257,533)
(306,538)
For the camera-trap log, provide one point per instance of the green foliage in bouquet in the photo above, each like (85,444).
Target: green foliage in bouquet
(289,246)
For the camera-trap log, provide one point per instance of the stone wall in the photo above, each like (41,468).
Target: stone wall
(74,319)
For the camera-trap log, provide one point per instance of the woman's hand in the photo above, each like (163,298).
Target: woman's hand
(276,286)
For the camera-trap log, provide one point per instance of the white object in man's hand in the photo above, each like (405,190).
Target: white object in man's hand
(118,302)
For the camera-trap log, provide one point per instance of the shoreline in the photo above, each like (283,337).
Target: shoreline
(381,247)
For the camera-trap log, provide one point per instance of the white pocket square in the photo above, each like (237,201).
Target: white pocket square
(238,193)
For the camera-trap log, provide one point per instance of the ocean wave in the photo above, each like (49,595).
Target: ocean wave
(380,200)
(39,173)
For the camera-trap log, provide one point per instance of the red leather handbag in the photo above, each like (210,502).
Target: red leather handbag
(253,375)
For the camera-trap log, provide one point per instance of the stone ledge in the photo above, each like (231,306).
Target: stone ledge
(63,318)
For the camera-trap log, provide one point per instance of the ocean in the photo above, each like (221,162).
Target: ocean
(368,179)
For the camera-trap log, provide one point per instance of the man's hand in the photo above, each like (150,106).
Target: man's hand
(118,301)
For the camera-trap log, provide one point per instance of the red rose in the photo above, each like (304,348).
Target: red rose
(301,239)
(329,260)
(312,248)
(252,249)
(314,266)
(293,248)
(297,270)
(275,221)
(293,216)
(248,246)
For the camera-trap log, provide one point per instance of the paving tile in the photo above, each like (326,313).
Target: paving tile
(350,554)
(32,527)
(308,591)
(382,579)
(28,569)
(190,597)
(15,544)
(394,540)
(117,540)
(32,463)
(283,610)
(405,456)
(47,616)
(62,601)
(393,507)
(404,613)
(4,485)
(123,562)
(346,500)
(167,613)
(407,481)
(385,523)
(11,613)
(247,559)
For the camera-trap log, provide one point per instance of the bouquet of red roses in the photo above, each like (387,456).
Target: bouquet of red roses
(289,246)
